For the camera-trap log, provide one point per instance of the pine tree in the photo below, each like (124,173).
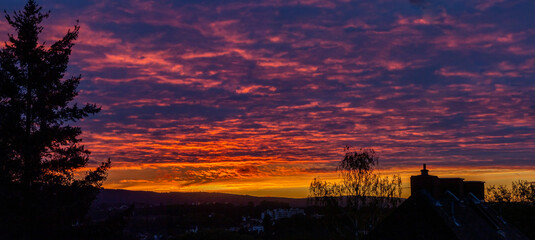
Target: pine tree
(40,151)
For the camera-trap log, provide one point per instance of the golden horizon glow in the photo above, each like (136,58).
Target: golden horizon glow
(296,186)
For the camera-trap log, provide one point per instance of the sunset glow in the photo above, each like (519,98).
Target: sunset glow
(260,97)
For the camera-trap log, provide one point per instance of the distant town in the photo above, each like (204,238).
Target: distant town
(203,219)
(438,208)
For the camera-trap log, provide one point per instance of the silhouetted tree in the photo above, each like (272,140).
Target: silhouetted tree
(362,192)
(516,204)
(521,191)
(40,151)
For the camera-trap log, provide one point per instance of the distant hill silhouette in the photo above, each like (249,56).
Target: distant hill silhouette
(119,197)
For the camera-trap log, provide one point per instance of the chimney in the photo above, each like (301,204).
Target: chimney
(425,182)
(424,171)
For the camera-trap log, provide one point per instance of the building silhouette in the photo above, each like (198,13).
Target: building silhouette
(444,208)
(437,187)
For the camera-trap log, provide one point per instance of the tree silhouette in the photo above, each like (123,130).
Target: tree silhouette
(521,191)
(516,204)
(40,152)
(362,192)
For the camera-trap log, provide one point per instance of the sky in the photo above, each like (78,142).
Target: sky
(259,97)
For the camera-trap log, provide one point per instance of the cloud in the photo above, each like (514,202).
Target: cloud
(287,84)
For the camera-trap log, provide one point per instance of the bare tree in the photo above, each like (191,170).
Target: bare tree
(362,192)
(515,203)
(521,191)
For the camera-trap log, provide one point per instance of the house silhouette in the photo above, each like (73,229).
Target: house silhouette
(444,208)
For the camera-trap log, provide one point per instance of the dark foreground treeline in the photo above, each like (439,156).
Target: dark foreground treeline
(228,221)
